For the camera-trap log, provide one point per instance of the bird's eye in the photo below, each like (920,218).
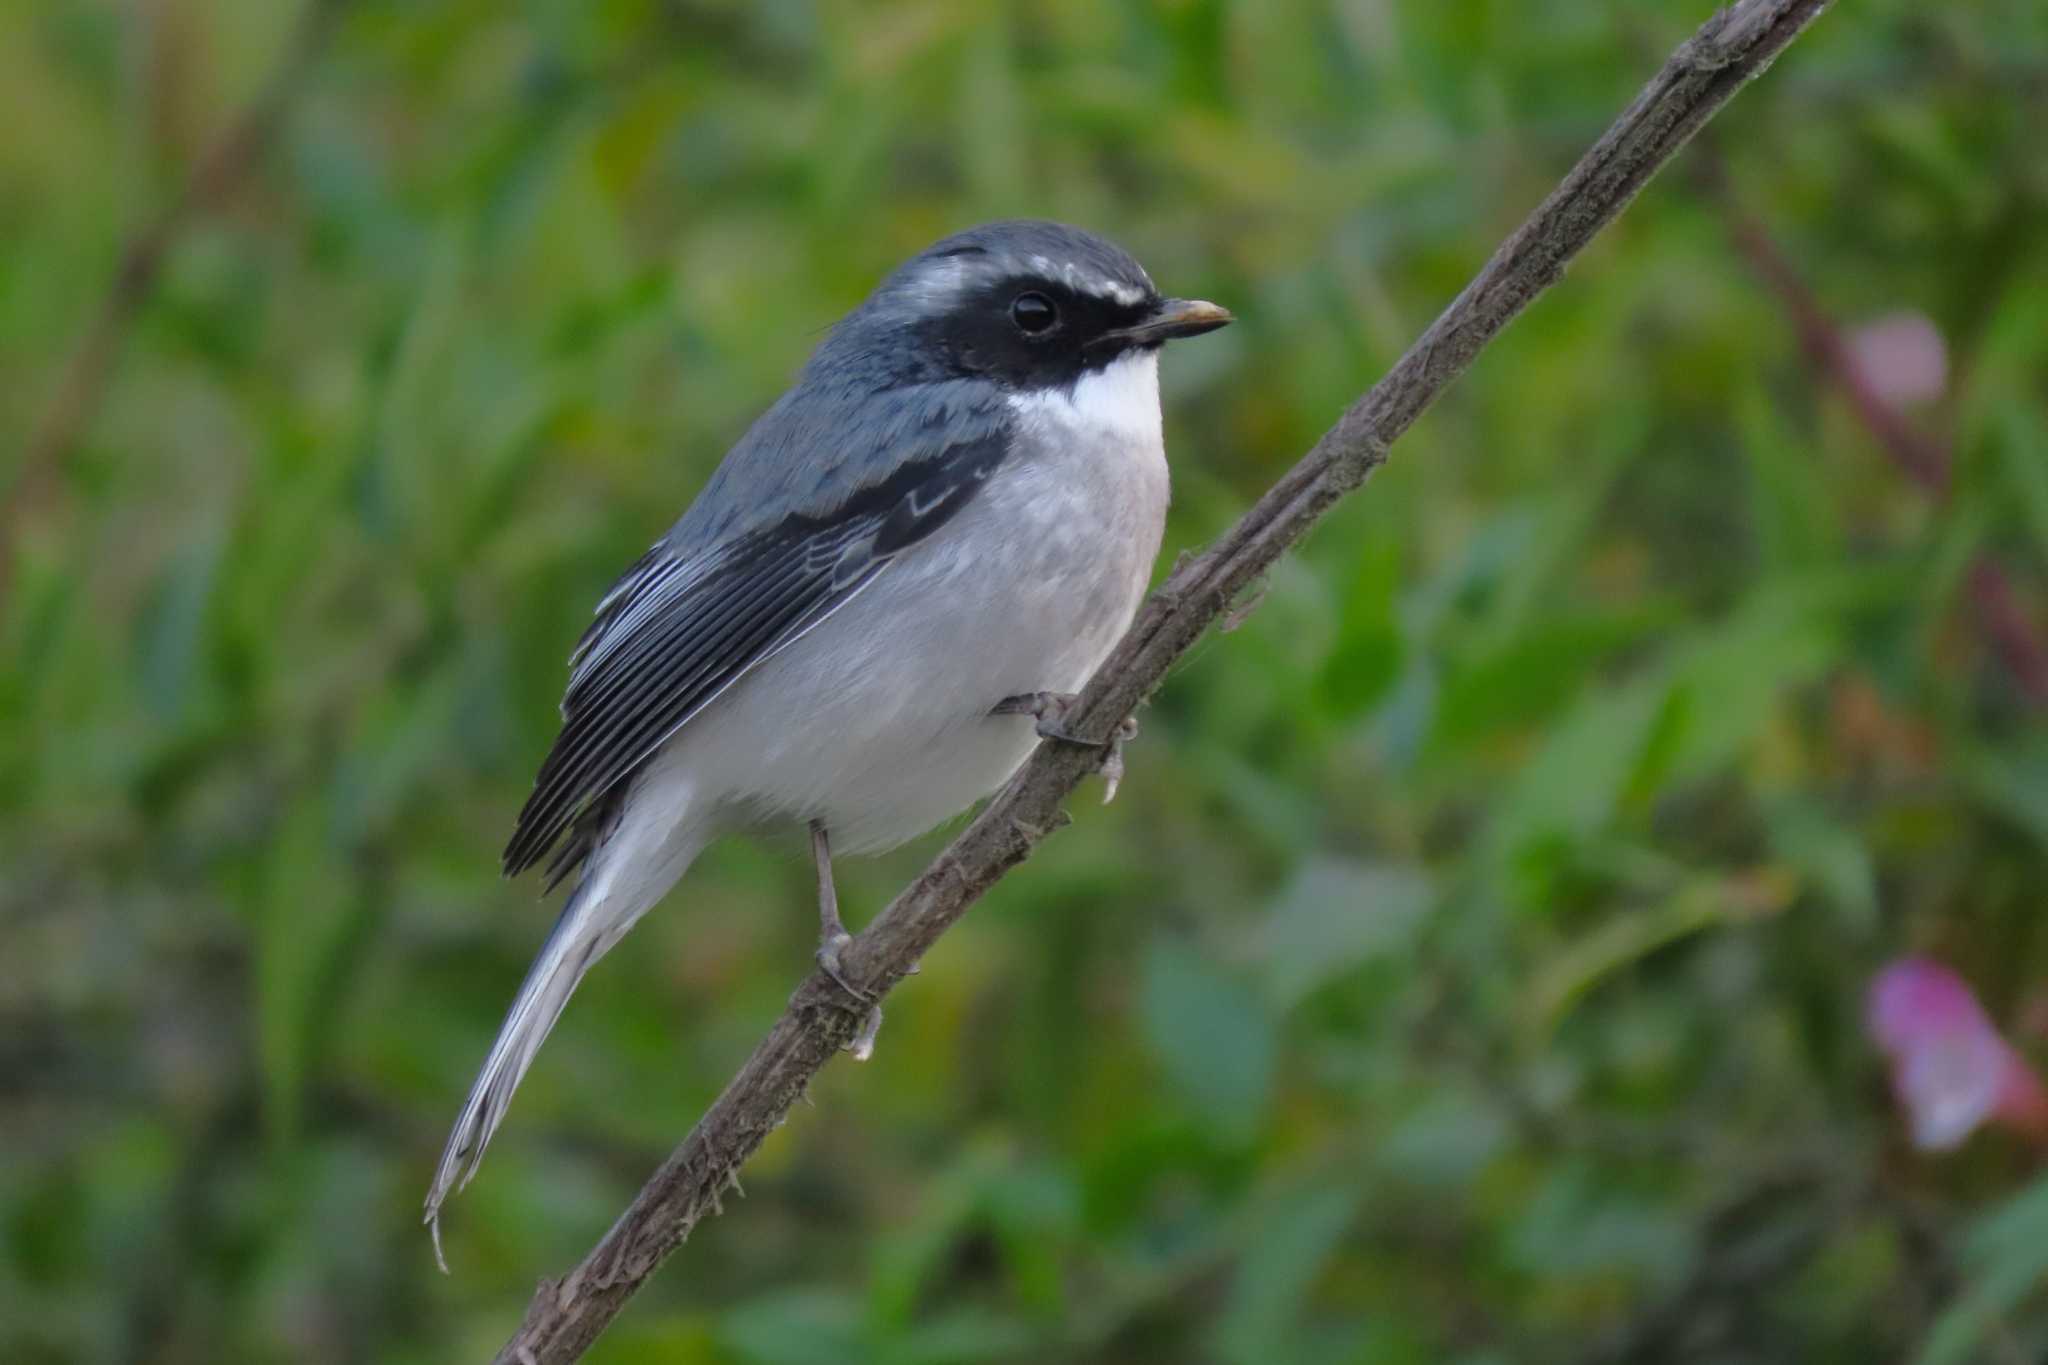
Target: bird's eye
(1033,313)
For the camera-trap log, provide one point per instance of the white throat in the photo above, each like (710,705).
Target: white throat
(1119,402)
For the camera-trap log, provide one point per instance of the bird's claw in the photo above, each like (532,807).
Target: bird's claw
(828,959)
(862,1044)
(1049,710)
(1112,768)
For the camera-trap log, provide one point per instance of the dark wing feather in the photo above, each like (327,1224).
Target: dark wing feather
(678,630)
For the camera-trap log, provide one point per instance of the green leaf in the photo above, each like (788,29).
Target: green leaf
(915,1247)
(1212,1035)
(1333,916)
(1537,671)
(1830,855)
(1575,782)
(170,629)
(1368,653)
(797,1327)
(1732,675)
(1035,1210)
(2022,439)
(307,915)
(2014,784)
(2006,1263)
(1446,1141)
(1795,511)
(1287,1245)
(963,1336)
(1561,525)
(1581,1224)
(1631,935)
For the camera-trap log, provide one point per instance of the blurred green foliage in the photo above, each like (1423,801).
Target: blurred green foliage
(1471,968)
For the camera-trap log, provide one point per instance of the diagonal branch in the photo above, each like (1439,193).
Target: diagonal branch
(1732,48)
(220,167)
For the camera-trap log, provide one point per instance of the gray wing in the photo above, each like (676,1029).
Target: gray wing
(679,628)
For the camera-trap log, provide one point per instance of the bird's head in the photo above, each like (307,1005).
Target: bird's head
(1026,305)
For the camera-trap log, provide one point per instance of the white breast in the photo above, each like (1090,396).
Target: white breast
(877,721)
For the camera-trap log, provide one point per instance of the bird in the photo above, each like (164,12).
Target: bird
(877,606)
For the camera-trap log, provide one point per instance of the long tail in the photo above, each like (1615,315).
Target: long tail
(598,914)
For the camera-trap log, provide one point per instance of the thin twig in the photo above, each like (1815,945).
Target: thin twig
(1922,458)
(1733,47)
(2013,632)
(221,166)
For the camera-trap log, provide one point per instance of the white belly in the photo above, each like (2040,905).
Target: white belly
(877,721)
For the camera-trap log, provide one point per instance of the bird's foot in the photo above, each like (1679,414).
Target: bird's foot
(829,949)
(832,941)
(862,1044)
(1049,710)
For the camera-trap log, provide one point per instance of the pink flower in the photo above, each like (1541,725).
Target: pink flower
(1950,1067)
(1902,357)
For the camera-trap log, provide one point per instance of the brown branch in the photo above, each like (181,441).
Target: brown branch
(2014,634)
(224,163)
(1732,48)
(1925,460)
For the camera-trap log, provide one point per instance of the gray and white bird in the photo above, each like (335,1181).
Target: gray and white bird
(933,537)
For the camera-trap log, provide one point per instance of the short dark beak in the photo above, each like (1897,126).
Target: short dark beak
(1172,318)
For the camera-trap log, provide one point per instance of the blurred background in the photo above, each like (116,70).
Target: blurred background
(1478,963)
